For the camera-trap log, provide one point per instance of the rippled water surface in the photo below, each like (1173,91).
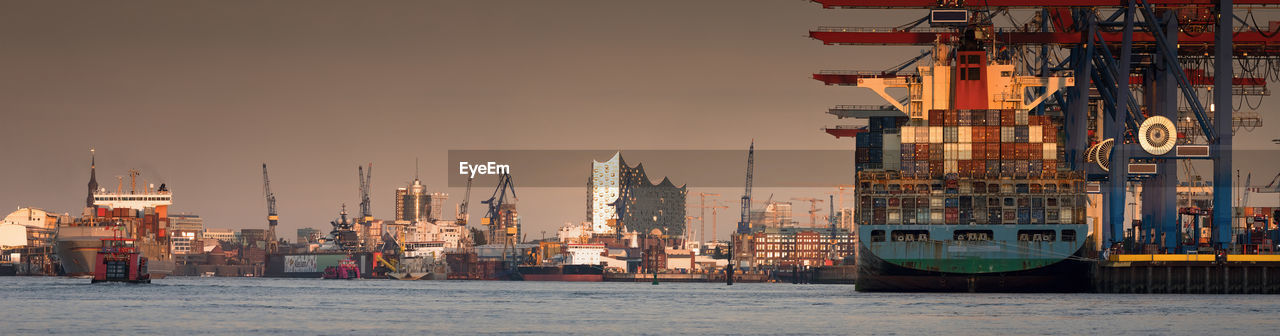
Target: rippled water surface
(43,305)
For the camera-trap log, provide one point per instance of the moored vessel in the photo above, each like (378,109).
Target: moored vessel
(137,214)
(118,260)
(959,186)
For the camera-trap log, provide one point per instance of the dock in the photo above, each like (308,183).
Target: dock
(1188,274)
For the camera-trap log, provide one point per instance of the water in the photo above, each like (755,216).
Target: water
(43,305)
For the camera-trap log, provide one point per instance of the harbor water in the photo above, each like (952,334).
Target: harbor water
(181,305)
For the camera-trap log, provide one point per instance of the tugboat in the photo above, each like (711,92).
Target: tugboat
(346,269)
(119,261)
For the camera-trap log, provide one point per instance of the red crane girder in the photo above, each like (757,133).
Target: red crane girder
(1188,43)
(1022,3)
(839,132)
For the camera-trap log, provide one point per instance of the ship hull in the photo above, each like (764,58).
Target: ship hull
(573,273)
(877,275)
(78,248)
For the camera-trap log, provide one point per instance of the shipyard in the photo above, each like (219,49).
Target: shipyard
(909,166)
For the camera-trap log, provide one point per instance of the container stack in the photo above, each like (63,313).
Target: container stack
(966,167)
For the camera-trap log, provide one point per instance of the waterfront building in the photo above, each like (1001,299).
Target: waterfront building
(226,235)
(186,233)
(623,196)
(774,215)
(414,203)
(786,247)
(251,237)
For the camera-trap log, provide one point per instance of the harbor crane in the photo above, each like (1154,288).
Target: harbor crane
(272,218)
(462,207)
(813,208)
(744,224)
(366,179)
(495,218)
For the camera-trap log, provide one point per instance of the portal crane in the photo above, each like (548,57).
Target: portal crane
(366,212)
(462,207)
(495,218)
(744,224)
(272,218)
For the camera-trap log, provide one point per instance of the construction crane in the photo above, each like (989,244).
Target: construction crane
(714,214)
(272,218)
(702,217)
(813,208)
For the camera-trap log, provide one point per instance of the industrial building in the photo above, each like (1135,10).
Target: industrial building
(621,196)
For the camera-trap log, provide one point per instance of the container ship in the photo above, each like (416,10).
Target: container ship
(140,215)
(960,186)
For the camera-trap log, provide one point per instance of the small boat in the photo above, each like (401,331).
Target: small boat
(119,261)
(346,269)
(207,274)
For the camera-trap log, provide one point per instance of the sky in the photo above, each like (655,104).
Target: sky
(198,94)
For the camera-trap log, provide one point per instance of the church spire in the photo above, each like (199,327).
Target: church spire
(93,177)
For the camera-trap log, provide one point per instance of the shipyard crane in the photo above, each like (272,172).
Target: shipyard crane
(744,224)
(366,179)
(272,217)
(462,207)
(813,208)
(494,217)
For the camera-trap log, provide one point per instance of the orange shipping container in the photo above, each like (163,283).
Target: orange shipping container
(1050,166)
(1008,151)
(1035,151)
(1050,133)
(1007,117)
(935,117)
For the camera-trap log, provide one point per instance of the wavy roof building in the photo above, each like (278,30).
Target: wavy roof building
(623,197)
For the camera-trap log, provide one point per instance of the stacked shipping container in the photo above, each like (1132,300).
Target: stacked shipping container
(966,167)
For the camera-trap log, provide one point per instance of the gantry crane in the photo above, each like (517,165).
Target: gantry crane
(272,218)
(496,218)
(813,208)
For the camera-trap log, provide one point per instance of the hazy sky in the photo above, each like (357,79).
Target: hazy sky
(198,94)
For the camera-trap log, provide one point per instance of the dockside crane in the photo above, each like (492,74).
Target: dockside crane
(366,180)
(462,207)
(272,218)
(744,224)
(494,218)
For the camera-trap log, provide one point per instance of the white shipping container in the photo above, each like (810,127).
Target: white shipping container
(935,202)
(950,166)
(1020,117)
(950,151)
(1050,151)
(935,134)
(908,134)
(1036,133)
(1006,134)
(922,134)
(895,216)
(966,151)
(935,216)
(966,134)
(1065,216)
